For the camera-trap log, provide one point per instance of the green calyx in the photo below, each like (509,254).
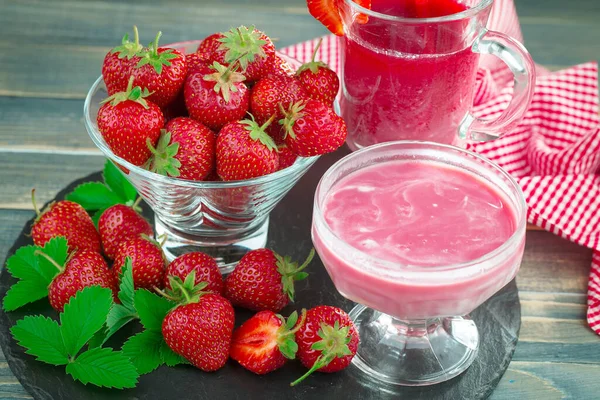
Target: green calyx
(186,291)
(290,117)
(258,132)
(136,94)
(313,65)
(286,334)
(163,159)
(242,44)
(225,79)
(333,344)
(290,272)
(129,49)
(152,57)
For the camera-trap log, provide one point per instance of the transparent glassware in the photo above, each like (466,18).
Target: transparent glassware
(413,320)
(223,219)
(414,78)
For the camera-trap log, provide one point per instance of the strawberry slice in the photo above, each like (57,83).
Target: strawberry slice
(328,13)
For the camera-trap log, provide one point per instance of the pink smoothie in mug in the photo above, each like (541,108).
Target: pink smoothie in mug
(403,225)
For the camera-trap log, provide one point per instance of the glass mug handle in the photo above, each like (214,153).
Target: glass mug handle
(518,60)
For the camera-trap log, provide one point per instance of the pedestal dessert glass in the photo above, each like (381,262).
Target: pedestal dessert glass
(413,319)
(223,219)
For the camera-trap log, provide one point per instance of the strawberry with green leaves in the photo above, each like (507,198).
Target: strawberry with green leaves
(312,128)
(119,62)
(216,98)
(185,150)
(127,121)
(68,219)
(263,343)
(83,268)
(327,341)
(200,327)
(147,260)
(319,80)
(264,280)
(119,223)
(245,150)
(276,65)
(205,267)
(246,45)
(327,12)
(161,71)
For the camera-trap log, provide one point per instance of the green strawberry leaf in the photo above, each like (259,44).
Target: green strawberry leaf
(93,196)
(126,288)
(42,338)
(152,309)
(24,292)
(58,250)
(143,350)
(99,338)
(169,357)
(84,315)
(104,367)
(115,180)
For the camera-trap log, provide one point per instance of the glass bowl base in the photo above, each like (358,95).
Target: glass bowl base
(413,353)
(227,250)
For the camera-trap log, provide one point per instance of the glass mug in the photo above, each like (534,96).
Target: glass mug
(413,78)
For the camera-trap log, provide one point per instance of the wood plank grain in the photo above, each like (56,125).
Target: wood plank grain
(12,222)
(10,388)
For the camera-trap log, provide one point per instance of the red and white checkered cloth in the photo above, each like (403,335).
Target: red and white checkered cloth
(554,153)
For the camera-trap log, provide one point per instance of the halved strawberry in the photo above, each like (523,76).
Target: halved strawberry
(327,12)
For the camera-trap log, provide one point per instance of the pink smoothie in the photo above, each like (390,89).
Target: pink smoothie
(411,215)
(407,81)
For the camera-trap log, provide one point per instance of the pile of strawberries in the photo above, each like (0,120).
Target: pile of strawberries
(200,326)
(233,110)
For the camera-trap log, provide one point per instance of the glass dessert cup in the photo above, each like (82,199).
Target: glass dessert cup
(413,320)
(222,219)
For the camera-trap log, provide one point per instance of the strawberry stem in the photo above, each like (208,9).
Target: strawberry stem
(164,294)
(136,36)
(307,261)
(319,363)
(314,54)
(155,44)
(162,239)
(35,207)
(50,260)
(136,204)
(300,323)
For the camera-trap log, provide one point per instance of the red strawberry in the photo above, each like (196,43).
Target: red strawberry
(176,108)
(83,268)
(319,80)
(278,66)
(118,63)
(245,151)
(286,157)
(249,46)
(185,150)
(327,341)
(162,71)
(313,128)
(264,342)
(127,121)
(198,62)
(216,98)
(270,94)
(200,328)
(68,219)
(119,223)
(264,280)
(147,260)
(207,270)
(328,13)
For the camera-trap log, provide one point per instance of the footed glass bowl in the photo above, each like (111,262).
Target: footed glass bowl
(223,219)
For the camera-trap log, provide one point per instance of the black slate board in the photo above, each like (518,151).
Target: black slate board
(498,320)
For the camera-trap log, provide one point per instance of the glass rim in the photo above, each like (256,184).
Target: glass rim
(468,13)
(392,267)
(300,164)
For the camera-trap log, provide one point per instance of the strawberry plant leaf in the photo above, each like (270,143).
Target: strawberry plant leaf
(169,357)
(42,338)
(99,338)
(116,181)
(93,196)
(24,264)
(84,315)
(151,308)
(58,250)
(143,350)
(118,317)
(104,367)
(126,288)
(24,292)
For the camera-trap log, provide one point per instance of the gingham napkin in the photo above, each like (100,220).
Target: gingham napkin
(555,151)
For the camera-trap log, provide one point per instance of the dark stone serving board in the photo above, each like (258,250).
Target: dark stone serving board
(498,320)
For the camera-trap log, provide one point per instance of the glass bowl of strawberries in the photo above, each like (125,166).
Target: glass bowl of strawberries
(213,133)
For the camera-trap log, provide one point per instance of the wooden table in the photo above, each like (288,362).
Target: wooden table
(51,52)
